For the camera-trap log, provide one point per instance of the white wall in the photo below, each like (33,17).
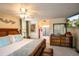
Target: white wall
(77,40)
(56,20)
(75,33)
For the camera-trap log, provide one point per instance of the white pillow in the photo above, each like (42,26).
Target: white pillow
(11,38)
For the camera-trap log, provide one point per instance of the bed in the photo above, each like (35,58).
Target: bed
(25,47)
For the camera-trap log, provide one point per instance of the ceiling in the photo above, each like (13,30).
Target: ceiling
(41,10)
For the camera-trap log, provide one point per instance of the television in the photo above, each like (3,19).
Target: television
(73,21)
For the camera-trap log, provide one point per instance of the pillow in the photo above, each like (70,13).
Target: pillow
(4,41)
(15,38)
(12,38)
(18,38)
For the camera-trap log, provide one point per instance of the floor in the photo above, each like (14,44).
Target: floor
(64,51)
(61,51)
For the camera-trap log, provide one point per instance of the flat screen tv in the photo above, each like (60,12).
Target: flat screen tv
(73,21)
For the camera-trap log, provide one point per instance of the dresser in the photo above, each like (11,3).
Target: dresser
(61,40)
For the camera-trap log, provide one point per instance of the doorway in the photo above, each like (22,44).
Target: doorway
(45,30)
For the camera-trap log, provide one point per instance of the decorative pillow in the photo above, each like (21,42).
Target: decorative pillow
(4,41)
(15,38)
(18,38)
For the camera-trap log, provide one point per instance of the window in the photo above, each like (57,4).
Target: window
(59,29)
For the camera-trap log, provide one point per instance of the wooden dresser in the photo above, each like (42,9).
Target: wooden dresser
(61,41)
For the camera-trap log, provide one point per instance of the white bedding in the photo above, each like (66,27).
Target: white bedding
(4,51)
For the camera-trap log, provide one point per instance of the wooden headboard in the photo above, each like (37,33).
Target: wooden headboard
(6,31)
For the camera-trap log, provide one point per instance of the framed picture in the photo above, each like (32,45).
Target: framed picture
(32,27)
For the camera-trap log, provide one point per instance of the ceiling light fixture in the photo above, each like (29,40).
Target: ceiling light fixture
(23,14)
(23,10)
